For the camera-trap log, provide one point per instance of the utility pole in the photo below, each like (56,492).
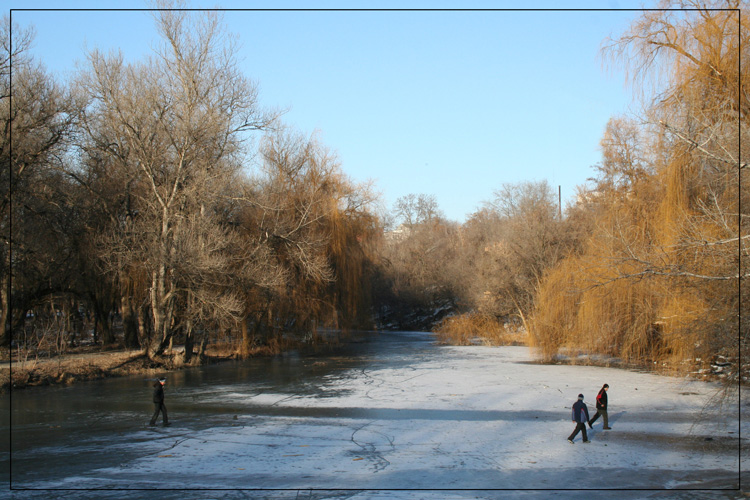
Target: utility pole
(559,202)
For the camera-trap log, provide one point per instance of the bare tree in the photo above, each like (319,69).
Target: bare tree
(173,128)
(505,248)
(419,267)
(36,117)
(413,209)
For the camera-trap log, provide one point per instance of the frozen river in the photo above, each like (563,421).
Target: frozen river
(389,415)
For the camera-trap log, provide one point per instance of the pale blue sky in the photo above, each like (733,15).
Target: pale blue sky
(452,104)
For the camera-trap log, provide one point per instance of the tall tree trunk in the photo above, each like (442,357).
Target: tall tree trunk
(128,313)
(5,334)
(102,315)
(95,332)
(246,339)
(159,310)
(144,327)
(157,314)
(202,350)
(188,354)
(129,323)
(161,307)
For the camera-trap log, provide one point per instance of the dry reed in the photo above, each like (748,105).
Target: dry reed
(475,328)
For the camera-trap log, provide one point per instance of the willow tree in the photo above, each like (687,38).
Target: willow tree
(699,123)
(172,128)
(352,248)
(661,275)
(312,224)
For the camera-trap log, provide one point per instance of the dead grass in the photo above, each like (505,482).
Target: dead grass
(69,368)
(476,328)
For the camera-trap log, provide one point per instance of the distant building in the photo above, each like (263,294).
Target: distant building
(398,234)
(588,197)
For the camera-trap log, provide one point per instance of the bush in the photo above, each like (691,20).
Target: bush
(473,328)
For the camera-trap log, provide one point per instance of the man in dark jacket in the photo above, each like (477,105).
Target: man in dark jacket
(159,402)
(580,417)
(601,408)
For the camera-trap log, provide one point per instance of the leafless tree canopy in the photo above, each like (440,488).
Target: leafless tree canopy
(132,203)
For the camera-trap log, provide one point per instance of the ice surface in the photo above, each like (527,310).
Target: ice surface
(453,419)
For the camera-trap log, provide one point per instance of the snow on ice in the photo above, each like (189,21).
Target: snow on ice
(463,422)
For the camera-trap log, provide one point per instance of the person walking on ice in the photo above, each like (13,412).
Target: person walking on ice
(580,417)
(159,402)
(601,408)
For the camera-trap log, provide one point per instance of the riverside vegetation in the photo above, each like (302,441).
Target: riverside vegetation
(137,215)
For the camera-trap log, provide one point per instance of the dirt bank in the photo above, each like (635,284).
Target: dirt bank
(92,362)
(83,364)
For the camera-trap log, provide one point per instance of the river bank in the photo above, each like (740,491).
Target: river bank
(87,363)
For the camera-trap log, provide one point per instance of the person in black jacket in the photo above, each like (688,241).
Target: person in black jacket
(580,417)
(601,408)
(159,402)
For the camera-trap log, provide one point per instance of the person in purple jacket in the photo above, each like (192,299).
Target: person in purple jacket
(581,418)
